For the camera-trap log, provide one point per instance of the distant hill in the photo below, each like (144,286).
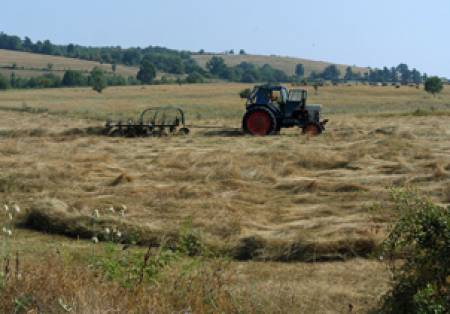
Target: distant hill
(286,64)
(33,64)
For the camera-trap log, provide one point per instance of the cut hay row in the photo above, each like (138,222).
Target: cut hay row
(53,217)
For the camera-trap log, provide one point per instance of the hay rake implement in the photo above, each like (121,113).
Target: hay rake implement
(153,121)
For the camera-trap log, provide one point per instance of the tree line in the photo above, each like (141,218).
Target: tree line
(399,74)
(158,59)
(245,72)
(164,59)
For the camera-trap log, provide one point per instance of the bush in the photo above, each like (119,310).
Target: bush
(434,85)
(97,80)
(74,78)
(194,78)
(421,237)
(4,84)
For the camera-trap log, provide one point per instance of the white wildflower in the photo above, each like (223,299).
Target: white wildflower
(119,234)
(95,239)
(17,208)
(107,231)
(10,216)
(4,230)
(111,209)
(9,232)
(6,208)
(96,213)
(381,257)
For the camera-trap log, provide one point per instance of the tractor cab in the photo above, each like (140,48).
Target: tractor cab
(286,100)
(272,107)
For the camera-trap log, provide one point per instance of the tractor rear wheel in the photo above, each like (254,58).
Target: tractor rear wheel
(312,129)
(259,121)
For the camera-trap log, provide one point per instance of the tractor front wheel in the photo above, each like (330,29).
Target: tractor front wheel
(259,122)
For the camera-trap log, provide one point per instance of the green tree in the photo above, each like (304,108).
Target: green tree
(216,66)
(194,78)
(114,67)
(405,74)
(349,74)
(331,73)
(4,84)
(13,80)
(434,85)
(242,52)
(147,71)
(48,48)
(299,70)
(98,79)
(416,76)
(73,78)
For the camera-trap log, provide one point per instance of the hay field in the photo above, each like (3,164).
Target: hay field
(286,64)
(35,64)
(268,200)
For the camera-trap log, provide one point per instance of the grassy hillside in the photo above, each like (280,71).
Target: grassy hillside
(32,64)
(286,64)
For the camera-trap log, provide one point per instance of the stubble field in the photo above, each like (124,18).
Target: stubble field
(320,203)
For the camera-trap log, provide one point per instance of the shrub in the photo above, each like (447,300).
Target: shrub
(98,80)
(434,85)
(73,78)
(421,237)
(194,78)
(4,84)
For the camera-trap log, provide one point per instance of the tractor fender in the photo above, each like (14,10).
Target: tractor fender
(270,107)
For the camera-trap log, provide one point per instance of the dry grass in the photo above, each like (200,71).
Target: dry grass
(54,284)
(286,64)
(285,197)
(39,61)
(219,104)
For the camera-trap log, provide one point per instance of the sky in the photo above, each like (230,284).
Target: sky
(356,32)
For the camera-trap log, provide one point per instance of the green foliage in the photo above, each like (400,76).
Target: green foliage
(421,237)
(433,85)
(245,93)
(97,79)
(189,242)
(4,84)
(217,66)
(165,60)
(299,70)
(132,268)
(331,73)
(147,72)
(74,78)
(195,78)
(349,75)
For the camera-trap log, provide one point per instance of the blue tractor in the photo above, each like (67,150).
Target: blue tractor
(272,107)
